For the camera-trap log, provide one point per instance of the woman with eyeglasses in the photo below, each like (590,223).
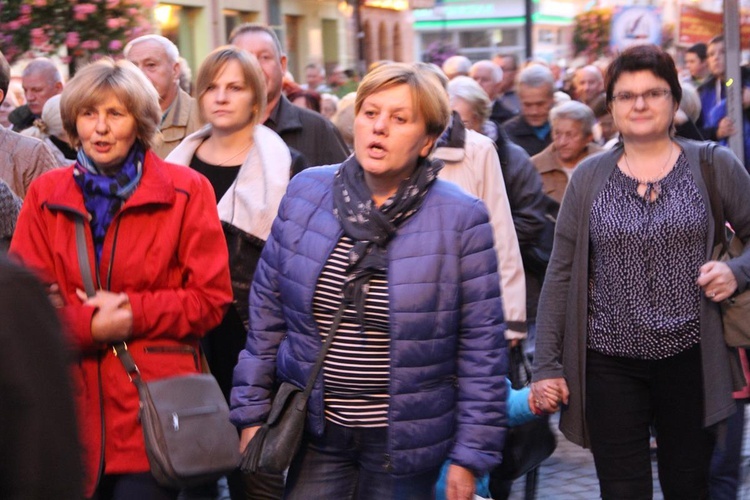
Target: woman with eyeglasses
(629,327)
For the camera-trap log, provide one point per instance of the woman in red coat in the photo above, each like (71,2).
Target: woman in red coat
(156,252)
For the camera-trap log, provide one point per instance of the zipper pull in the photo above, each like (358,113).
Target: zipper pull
(175,422)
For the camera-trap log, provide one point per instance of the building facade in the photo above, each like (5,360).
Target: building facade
(309,30)
(479,30)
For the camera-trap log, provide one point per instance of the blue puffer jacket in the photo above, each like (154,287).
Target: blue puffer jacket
(448,355)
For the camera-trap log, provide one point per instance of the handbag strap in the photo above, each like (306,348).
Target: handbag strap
(120,348)
(520,370)
(714,198)
(83,258)
(324,350)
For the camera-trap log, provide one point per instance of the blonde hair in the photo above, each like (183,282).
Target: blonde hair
(97,81)
(429,98)
(217,60)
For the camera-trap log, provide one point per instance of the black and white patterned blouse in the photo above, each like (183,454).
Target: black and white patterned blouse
(644,302)
(356,370)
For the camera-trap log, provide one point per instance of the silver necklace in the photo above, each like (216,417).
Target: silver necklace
(239,153)
(653,185)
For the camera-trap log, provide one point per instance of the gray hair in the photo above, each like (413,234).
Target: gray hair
(456,65)
(43,66)
(592,70)
(691,101)
(464,87)
(173,53)
(576,111)
(256,28)
(536,76)
(495,70)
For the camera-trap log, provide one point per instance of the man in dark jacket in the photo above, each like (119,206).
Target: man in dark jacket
(531,128)
(303,130)
(41,80)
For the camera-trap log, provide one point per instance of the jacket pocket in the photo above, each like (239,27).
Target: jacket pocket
(160,361)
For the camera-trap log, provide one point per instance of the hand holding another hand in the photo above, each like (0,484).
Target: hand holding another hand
(113,319)
(549,394)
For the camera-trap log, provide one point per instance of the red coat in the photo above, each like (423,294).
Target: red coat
(165,248)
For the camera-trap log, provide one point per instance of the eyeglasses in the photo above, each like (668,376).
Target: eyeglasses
(653,96)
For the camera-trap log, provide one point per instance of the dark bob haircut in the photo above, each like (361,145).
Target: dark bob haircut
(644,58)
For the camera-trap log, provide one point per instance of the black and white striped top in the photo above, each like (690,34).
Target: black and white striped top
(356,370)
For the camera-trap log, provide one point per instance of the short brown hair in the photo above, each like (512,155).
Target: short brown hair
(253,75)
(429,98)
(93,83)
(644,58)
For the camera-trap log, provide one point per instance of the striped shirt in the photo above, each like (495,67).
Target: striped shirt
(356,370)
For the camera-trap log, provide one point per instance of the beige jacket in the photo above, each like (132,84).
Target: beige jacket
(475,168)
(23,159)
(182,120)
(554,177)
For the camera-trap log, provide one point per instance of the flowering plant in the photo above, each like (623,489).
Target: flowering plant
(591,33)
(437,52)
(85,27)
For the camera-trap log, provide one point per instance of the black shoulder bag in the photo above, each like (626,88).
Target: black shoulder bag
(526,445)
(185,419)
(277,441)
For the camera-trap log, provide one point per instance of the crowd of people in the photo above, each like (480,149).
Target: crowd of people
(429,218)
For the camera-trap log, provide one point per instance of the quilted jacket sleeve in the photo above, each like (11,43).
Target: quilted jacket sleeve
(255,372)
(481,416)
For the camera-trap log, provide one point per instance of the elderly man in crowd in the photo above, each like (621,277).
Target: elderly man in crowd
(572,141)
(536,93)
(304,131)
(456,66)
(489,76)
(22,159)
(41,80)
(588,84)
(159,59)
(509,64)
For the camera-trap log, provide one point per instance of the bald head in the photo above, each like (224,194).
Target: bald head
(588,83)
(489,76)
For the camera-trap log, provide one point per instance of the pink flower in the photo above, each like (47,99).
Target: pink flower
(38,36)
(90,44)
(25,9)
(40,3)
(115,45)
(14,25)
(83,10)
(72,39)
(115,22)
(113,4)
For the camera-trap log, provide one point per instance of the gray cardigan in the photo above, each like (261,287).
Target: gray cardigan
(562,318)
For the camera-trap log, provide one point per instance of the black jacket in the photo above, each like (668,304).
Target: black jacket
(520,132)
(308,132)
(21,118)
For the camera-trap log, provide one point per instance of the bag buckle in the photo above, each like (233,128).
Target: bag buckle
(131,368)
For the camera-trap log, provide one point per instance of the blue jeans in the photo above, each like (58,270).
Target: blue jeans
(351,463)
